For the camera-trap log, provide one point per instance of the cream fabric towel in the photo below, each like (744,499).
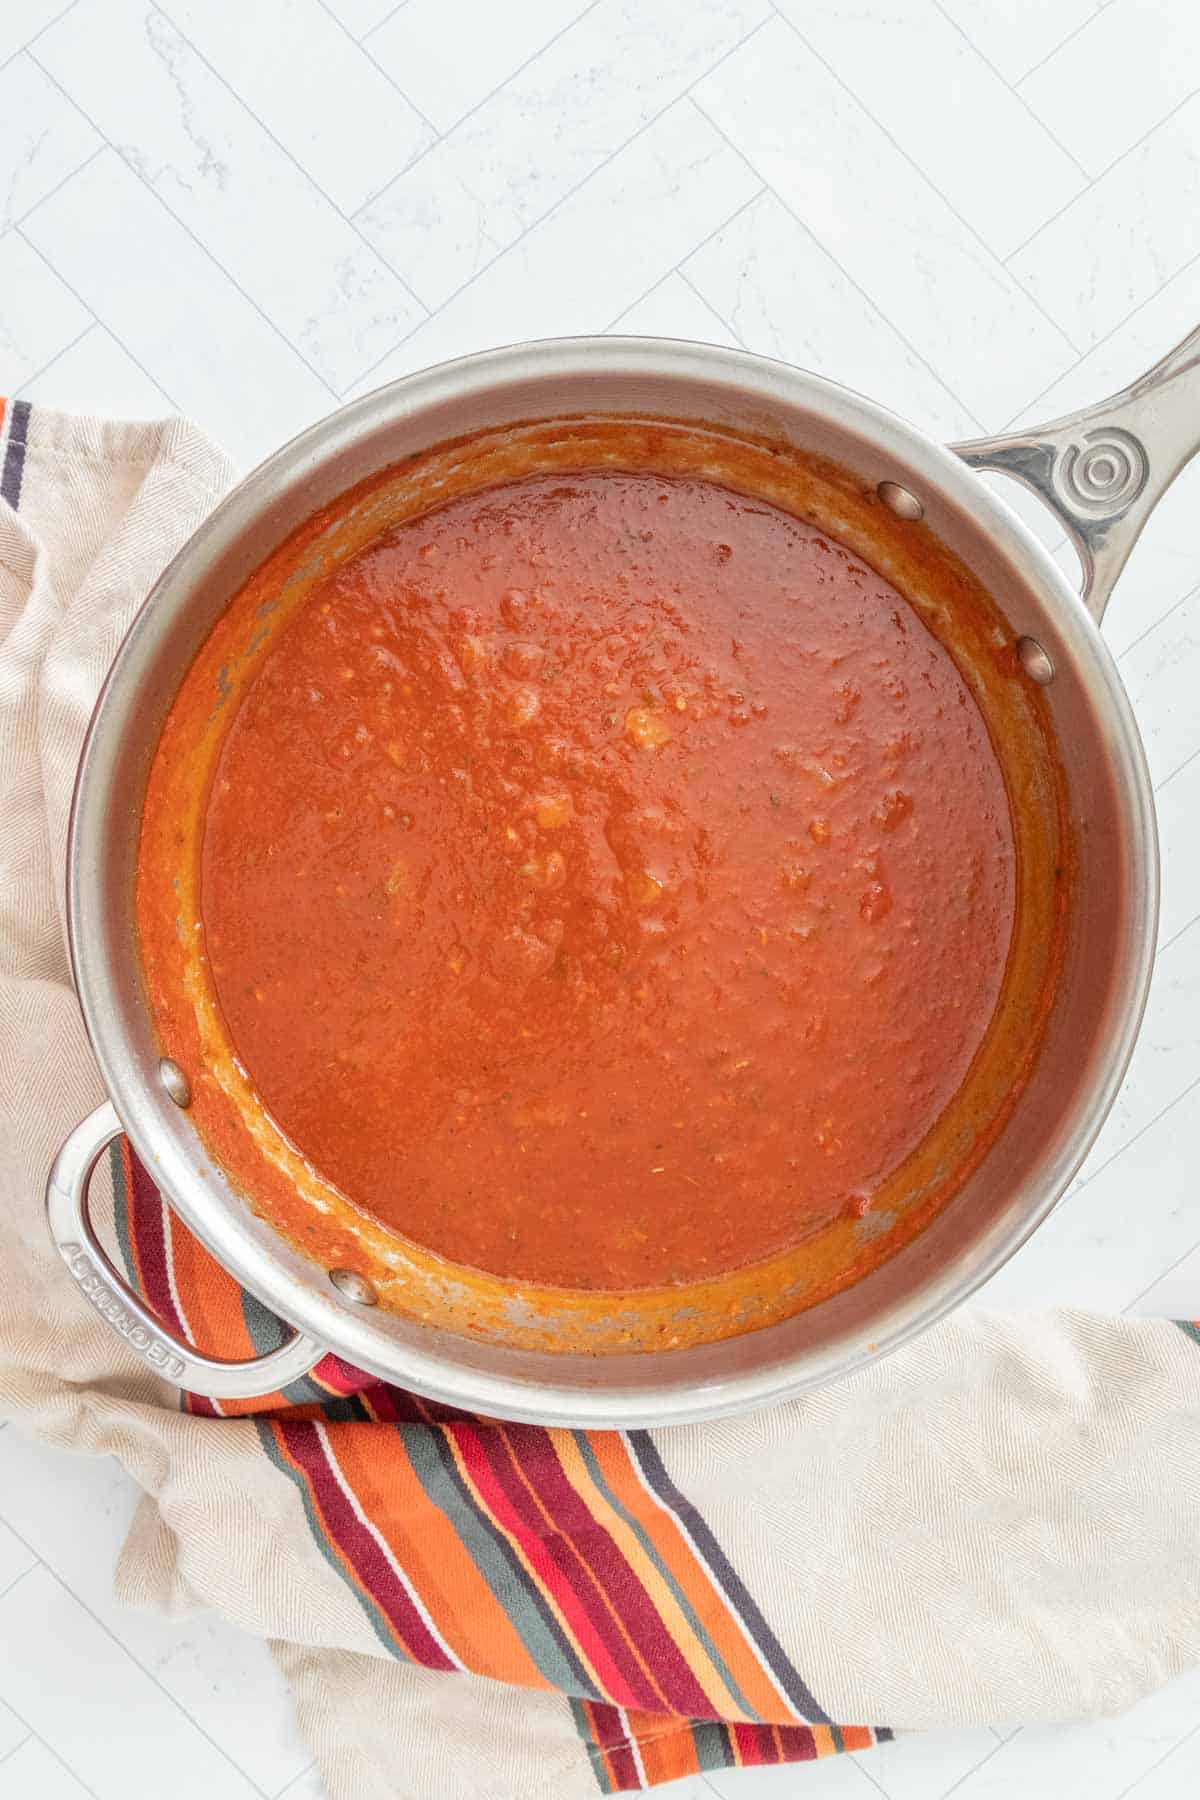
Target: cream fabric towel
(1001,1522)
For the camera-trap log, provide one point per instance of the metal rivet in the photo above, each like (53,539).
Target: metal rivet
(179,1088)
(1034,661)
(900,501)
(353,1286)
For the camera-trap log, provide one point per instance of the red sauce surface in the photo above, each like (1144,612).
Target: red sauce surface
(607,880)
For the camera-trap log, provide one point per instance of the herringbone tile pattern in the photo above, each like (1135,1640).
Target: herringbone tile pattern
(978,211)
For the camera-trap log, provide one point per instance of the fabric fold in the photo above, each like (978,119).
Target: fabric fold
(998,1523)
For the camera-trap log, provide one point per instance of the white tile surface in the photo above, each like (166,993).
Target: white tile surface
(1178,803)
(812,141)
(1164,569)
(196,334)
(121,1733)
(1110,1238)
(1064,1762)
(301,74)
(307,1786)
(35,1773)
(451,54)
(949,114)
(43,138)
(1167,1058)
(1132,63)
(559,119)
(1128,233)
(194,143)
(565,278)
(205,1665)
(96,374)
(1141,339)
(12,1733)
(785,296)
(830,1778)
(1019,34)
(1173,1295)
(673,308)
(886,191)
(39,315)
(1035,516)
(920,1763)
(16,1557)
(1177,1774)
(1159,671)
(22,20)
(362,16)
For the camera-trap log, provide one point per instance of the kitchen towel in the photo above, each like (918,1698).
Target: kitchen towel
(1000,1522)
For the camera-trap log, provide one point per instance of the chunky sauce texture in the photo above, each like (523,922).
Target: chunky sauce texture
(607,880)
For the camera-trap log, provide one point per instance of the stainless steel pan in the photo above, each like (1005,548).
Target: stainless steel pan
(1100,471)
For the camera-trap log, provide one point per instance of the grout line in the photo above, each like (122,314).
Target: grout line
(1138,1779)
(1101,341)
(1082,26)
(309,1766)
(77,170)
(18,231)
(562,200)
(171,213)
(683,275)
(859,1759)
(21,1742)
(1153,626)
(63,1764)
(303,172)
(612,154)
(1161,1276)
(844,272)
(1015,92)
(688,254)
(50,361)
(104,326)
(1158,786)
(999,261)
(1086,1181)
(41,32)
(361,44)
(1168,779)
(97,325)
(378,193)
(37,1563)
(981,1764)
(519,70)
(35,1737)
(678,269)
(380,23)
(703,243)
(136,1661)
(19,1717)
(1096,179)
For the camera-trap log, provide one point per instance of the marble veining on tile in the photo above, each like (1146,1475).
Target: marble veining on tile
(976,211)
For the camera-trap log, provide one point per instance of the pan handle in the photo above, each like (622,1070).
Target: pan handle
(75,1237)
(1102,471)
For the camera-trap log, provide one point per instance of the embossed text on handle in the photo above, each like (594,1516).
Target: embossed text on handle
(109,1305)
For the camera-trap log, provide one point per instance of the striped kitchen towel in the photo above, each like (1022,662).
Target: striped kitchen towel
(997,1523)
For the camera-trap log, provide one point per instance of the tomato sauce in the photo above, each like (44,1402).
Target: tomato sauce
(607,880)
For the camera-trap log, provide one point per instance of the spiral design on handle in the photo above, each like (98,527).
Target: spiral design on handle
(1104,473)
